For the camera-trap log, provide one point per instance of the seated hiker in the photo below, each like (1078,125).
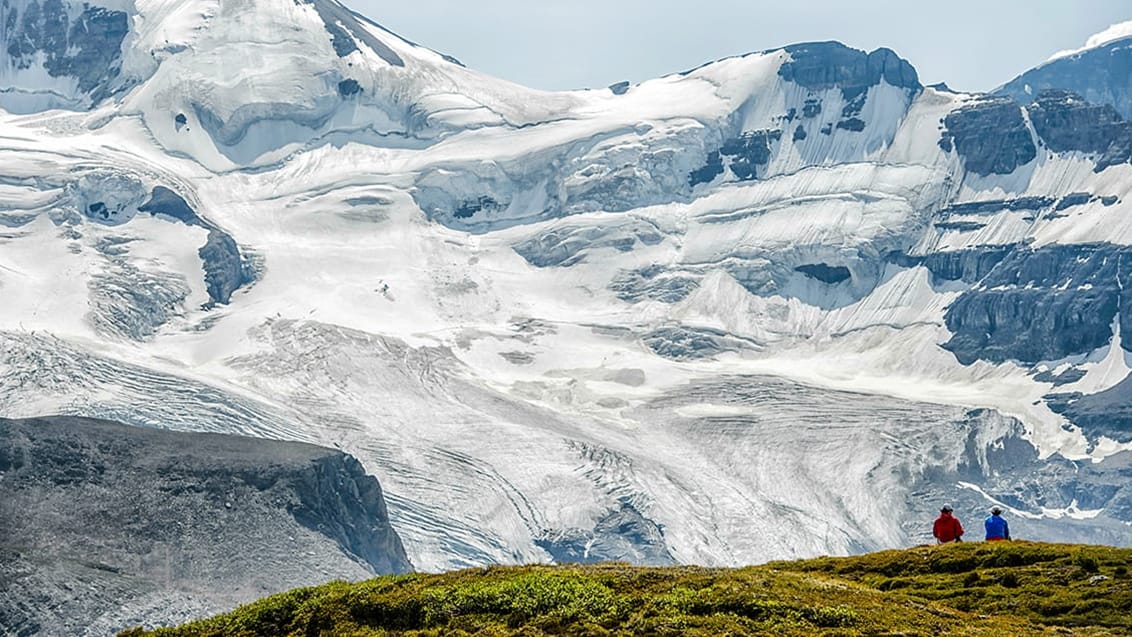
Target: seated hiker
(947,527)
(997,528)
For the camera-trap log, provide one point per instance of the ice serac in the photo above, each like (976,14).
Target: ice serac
(119,525)
(746,129)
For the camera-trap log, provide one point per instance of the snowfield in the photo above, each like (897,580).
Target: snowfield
(728,316)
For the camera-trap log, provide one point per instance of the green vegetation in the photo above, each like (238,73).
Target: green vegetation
(1016,588)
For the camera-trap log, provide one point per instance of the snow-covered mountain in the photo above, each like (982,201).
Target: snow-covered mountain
(779,305)
(1100,71)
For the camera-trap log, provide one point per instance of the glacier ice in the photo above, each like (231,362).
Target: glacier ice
(795,285)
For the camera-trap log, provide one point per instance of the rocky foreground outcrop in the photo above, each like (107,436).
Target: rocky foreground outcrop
(104,526)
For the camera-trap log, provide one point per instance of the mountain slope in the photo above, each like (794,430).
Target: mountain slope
(794,286)
(1100,72)
(968,589)
(105,525)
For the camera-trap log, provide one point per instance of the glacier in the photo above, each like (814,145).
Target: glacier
(780,305)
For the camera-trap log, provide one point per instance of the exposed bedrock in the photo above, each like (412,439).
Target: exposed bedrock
(1105,413)
(106,525)
(1067,123)
(968,266)
(346,31)
(823,65)
(1038,305)
(990,135)
(749,151)
(70,41)
(741,157)
(163,201)
(825,273)
(225,269)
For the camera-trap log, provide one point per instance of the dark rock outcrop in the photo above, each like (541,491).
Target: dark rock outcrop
(346,32)
(707,173)
(1038,305)
(349,88)
(811,108)
(163,201)
(990,135)
(749,151)
(89,48)
(853,124)
(1067,123)
(104,525)
(968,266)
(225,269)
(995,206)
(824,65)
(825,273)
(1107,413)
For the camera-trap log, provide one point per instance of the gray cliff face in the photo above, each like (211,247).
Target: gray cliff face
(990,135)
(1067,123)
(1102,75)
(1108,412)
(822,65)
(1021,309)
(103,526)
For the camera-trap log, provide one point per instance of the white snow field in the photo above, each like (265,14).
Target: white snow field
(699,320)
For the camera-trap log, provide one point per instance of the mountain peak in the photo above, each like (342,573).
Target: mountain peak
(1099,72)
(1118,31)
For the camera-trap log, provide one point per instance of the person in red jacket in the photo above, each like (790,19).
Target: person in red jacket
(947,527)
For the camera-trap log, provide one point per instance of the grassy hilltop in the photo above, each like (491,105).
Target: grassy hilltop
(1017,588)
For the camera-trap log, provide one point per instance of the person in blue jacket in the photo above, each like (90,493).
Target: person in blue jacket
(997,528)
